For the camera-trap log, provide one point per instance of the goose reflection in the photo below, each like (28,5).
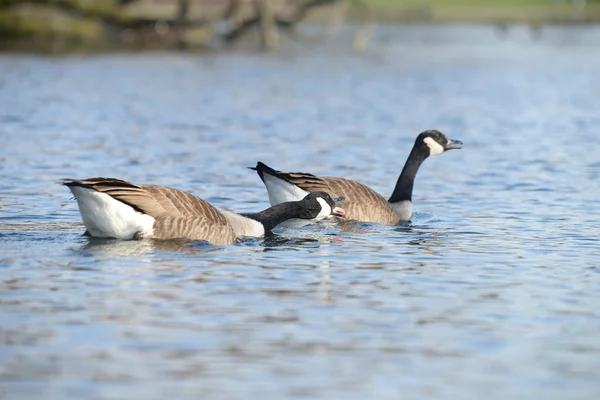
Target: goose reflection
(312,236)
(138,248)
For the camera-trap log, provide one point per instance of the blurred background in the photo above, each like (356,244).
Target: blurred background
(62,25)
(491,291)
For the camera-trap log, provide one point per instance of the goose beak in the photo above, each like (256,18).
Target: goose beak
(453,144)
(338,211)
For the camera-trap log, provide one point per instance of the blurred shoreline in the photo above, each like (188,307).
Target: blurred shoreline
(63,26)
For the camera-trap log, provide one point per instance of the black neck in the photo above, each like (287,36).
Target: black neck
(273,216)
(404,185)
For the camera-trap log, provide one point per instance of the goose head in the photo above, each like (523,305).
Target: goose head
(435,142)
(320,205)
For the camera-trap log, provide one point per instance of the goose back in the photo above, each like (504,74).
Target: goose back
(361,203)
(177,214)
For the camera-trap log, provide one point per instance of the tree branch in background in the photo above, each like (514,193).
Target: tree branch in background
(184,6)
(232,9)
(112,15)
(282,23)
(302,10)
(108,15)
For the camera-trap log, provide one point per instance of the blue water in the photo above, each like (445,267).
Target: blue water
(493,290)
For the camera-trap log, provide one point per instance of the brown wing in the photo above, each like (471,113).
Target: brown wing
(178,214)
(308,182)
(362,203)
(194,228)
(153,200)
(177,203)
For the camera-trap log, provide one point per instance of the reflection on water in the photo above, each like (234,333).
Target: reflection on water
(136,248)
(492,289)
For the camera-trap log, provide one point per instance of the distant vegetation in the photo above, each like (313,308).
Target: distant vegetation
(64,24)
(505,11)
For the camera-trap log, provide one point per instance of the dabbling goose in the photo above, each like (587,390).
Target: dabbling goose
(361,203)
(114,208)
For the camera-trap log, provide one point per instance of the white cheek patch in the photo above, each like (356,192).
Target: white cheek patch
(434,147)
(325,209)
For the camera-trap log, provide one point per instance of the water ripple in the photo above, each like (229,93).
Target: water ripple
(491,290)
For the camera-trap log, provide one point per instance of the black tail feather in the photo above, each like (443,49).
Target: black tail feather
(68,182)
(262,168)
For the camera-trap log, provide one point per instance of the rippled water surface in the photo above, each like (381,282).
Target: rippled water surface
(493,290)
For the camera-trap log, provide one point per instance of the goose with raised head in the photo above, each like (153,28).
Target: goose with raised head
(113,208)
(361,203)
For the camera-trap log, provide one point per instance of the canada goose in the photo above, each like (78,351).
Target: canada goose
(362,203)
(118,209)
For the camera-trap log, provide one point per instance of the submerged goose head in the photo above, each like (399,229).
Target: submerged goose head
(320,205)
(314,206)
(434,142)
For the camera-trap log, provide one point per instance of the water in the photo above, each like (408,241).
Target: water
(493,290)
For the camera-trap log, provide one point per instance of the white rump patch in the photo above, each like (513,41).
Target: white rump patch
(403,209)
(104,216)
(281,191)
(434,147)
(325,209)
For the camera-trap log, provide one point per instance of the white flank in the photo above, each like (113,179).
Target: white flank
(403,209)
(434,147)
(325,209)
(244,226)
(281,191)
(104,216)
